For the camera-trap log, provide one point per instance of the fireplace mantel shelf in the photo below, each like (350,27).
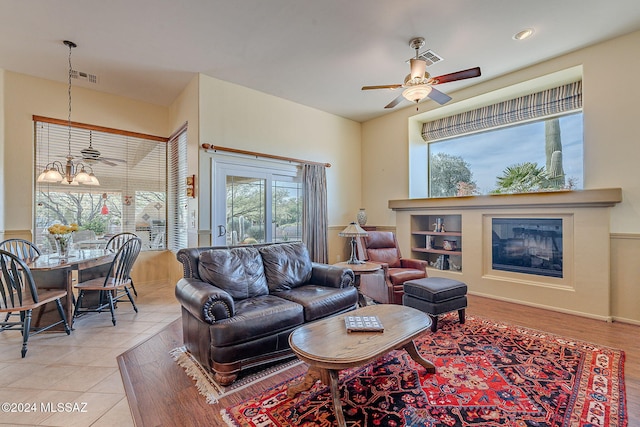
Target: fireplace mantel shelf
(605,197)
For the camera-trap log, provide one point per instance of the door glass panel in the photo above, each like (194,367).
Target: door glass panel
(245,212)
(286,211)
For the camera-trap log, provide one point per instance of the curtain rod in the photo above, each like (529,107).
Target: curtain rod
(268,156)
(100,128)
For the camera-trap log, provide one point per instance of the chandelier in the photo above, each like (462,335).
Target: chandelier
(69,173)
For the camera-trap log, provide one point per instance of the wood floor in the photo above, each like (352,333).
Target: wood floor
(160,394)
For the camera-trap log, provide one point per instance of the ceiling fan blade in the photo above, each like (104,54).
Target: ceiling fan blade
(394,102)
(112,159)
(381,87)
(107,162)
(459,75)
(439,97)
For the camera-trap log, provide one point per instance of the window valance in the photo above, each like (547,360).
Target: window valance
(545,103)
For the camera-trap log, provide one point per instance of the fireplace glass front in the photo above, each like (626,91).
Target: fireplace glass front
(527,245)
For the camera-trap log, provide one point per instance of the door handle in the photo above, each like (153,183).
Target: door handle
(222,230)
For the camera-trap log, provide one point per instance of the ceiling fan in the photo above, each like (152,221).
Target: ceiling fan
(419,84)
(92,155)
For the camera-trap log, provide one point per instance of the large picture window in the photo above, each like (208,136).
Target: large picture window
(527,144)
(132,195)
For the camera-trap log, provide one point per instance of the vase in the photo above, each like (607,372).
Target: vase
(63,245)
(362,217)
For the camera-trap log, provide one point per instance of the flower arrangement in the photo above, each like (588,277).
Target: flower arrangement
(62,235)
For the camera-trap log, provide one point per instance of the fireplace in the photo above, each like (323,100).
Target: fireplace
(527,245)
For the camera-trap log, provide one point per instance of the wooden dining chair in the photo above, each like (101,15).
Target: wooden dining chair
(115,285)
(116,243)
(18,294)
(23,249)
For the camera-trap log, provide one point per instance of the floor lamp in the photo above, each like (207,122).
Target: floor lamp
(353,230)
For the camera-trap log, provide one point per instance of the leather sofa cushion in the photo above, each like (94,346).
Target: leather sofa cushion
(238,271)
(321,301)
(286,265)
(398,276)
(255,318)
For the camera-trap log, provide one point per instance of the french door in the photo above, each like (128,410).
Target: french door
(255,203)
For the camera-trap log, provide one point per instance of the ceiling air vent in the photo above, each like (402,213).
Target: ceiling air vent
(81,75)
(429,56)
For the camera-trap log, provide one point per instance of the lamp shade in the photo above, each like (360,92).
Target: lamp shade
(353,230)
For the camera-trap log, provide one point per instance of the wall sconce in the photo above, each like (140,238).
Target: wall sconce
(191,186)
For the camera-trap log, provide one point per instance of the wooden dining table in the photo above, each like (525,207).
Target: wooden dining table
(50,271)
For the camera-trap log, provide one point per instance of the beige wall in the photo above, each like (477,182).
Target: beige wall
(610,148)
(241,118)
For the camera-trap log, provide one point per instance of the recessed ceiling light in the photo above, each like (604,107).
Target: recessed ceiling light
(524,34)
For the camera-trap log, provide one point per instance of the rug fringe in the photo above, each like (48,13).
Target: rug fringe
(207,386)
(228,419)
(204,383)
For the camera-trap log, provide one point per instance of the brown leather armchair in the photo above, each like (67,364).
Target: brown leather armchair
(382,247)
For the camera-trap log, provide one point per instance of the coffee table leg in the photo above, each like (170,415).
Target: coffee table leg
(413,352)
(313,374)
(337,403)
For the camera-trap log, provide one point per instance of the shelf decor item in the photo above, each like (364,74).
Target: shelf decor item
(362,217)
(439,225)
(430,240)
(449,245)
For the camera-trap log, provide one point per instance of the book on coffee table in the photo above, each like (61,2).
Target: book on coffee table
(363,324)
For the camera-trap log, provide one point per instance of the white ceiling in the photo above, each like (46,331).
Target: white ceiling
(314,52)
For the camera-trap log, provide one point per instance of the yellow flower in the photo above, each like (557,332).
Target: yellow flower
(62,229)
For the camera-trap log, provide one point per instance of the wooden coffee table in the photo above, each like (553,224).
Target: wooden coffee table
(327,347)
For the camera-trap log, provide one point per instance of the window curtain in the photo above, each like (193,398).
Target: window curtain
(314,211)
(541,104)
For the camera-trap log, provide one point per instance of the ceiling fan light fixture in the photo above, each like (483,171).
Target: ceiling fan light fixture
(417,92)
(418,68)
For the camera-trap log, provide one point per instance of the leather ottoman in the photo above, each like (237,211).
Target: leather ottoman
(435,296)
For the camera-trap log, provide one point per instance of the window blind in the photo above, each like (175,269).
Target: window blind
(132,174)
(177,186)
(557,100)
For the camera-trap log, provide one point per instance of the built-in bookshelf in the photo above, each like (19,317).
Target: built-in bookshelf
(438,240)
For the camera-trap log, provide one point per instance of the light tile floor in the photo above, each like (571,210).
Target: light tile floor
(79,371)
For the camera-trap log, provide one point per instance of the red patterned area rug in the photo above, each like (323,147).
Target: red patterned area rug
(487,374)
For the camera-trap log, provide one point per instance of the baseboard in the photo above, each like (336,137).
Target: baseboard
(544,307)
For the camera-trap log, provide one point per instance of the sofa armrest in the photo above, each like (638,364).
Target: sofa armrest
(416,264)
(331,276)
(204,301)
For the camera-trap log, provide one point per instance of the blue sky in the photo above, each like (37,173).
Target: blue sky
(489,153)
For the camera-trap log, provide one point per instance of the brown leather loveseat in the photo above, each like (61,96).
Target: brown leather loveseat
(239,304)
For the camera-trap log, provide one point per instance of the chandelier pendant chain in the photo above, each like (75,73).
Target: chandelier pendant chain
(69,173)
(71,46)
